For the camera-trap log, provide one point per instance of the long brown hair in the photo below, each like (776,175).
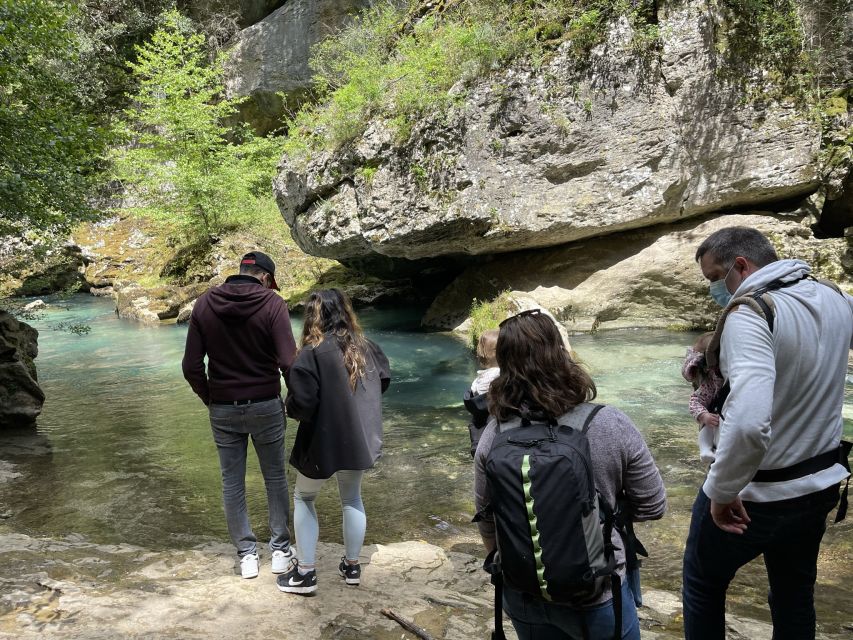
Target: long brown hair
(329,311)
(537,372)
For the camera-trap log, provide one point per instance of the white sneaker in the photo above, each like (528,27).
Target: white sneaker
(281,560)
(249,565)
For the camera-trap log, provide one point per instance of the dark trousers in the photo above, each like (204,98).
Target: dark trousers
(787,533)
(232,426)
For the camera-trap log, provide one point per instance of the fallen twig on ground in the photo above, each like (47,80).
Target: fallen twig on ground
(406,624)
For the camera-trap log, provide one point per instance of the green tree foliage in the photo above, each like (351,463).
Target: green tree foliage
(108,32)
(181,161)
(785,49)
(50,141)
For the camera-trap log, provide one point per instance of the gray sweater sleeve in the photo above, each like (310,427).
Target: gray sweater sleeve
(746,349)
(486,525)
(621,462)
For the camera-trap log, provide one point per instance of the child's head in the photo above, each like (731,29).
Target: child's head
(703,341)
(486,347)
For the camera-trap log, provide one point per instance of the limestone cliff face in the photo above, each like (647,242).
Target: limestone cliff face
(641,278)
(245,12)
(539,159)
(21,398)
(270,59)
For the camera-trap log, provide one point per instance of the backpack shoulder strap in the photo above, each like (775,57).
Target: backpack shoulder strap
(762,303)
(581,416)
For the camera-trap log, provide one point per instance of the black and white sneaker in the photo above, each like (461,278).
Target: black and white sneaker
(295,582)
(351,573)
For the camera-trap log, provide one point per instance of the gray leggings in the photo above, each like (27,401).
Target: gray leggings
(305,515)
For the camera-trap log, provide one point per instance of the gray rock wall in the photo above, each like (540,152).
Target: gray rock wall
(538,159)
(245,12)
(21,398)
(268,62)
(641,278)
(33,267)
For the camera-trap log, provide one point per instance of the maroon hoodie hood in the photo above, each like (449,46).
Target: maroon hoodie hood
(244,330)
(239,298)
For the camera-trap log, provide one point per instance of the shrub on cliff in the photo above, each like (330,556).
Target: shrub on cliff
(488,314)
(400,65)
(181,160)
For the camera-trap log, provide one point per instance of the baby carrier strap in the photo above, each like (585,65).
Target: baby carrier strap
(815,464)
(762,303)
(477,405)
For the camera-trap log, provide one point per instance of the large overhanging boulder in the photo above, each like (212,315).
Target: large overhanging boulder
(21,398)
(268,63)
(641,278)
(542,158)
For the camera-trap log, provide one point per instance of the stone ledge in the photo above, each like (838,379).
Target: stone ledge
(72,588)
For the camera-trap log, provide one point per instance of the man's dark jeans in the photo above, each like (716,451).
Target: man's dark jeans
(787,533)
(232,425)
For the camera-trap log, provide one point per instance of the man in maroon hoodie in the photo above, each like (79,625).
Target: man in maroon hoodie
(244,329)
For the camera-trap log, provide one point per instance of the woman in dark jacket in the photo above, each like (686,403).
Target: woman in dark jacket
(335,392)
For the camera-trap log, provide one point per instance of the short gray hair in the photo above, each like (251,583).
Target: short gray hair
(727,244)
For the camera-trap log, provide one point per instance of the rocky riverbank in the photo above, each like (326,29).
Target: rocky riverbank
(21,398)
(72,588)
(154,278)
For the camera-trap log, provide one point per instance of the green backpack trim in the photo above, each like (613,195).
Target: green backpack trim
(534,529)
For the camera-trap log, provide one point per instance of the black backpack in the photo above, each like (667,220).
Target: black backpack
(553,528)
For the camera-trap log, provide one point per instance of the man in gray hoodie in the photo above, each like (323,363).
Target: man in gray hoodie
(778,462)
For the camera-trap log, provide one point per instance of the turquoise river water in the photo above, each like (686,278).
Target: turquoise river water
(123,451)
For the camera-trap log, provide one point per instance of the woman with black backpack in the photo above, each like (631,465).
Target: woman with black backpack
(549,471)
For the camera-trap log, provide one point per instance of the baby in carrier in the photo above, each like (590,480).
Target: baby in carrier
(707,383)
(476,399)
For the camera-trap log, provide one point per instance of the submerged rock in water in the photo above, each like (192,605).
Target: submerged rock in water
(35,305)
(21,398)
(152,305)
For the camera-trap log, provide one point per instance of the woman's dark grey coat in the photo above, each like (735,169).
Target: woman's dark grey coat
(338,428)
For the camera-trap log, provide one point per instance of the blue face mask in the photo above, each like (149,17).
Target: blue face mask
(719,291)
